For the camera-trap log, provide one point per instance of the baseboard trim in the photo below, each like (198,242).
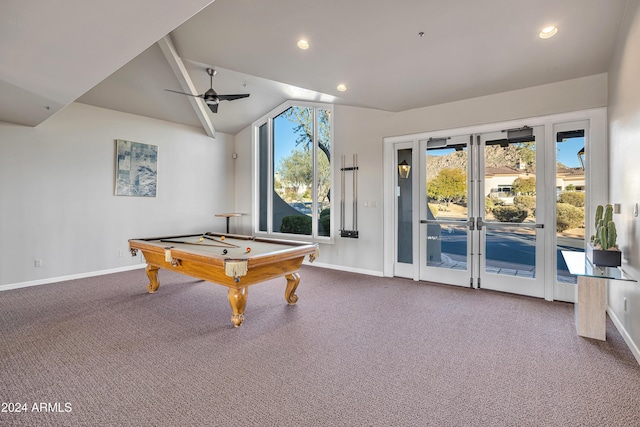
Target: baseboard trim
(343,268)
(70,277)
(137,266)
(625,335)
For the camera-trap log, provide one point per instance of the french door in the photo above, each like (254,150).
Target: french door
(478,204)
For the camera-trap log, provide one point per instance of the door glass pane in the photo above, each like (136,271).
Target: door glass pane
(510,198)
(405,211)
(570,198)
(510,181)
(447,182)
(446,187)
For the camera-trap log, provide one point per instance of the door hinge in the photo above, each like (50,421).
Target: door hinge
(471,282)
(479,283)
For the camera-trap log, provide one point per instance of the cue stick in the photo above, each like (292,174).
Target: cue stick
(190,243)
(220,241)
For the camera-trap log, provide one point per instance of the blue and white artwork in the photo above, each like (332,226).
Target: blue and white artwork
(136,169)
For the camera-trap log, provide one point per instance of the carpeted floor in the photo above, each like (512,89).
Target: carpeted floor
(355,351)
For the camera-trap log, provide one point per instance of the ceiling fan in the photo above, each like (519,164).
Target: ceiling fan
(211,98)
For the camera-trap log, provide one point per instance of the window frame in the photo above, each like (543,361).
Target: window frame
(267,120)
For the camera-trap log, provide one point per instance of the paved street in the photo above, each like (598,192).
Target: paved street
(505,249)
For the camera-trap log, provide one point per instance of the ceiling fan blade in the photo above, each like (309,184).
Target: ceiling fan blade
(213,107)
(184,93)
(232,97)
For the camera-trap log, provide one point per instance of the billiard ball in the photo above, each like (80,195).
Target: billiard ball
(224,252)
(202,239)
(248,250)
(221,237)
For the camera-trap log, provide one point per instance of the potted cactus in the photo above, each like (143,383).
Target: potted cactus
(602,250)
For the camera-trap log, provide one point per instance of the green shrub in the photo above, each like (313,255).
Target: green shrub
(489,204)
(573,198)
(510,214)
(526,202)
(296,224)
(568,216)
(325,222)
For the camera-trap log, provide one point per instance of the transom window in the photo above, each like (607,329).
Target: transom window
(293,146)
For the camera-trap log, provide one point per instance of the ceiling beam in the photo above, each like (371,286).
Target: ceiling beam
(169,51)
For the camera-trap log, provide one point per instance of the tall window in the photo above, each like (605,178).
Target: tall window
(293,147)
(570,198)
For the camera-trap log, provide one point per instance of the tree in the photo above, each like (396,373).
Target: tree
(302,117)
(295,172)
(527,152)
(526,186)
(449,185)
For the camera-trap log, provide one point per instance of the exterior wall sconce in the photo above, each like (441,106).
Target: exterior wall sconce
(581,157)
(404,169)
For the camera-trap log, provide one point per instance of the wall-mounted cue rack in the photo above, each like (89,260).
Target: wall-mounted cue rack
(353,233)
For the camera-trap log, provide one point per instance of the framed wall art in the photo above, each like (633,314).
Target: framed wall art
(136,169)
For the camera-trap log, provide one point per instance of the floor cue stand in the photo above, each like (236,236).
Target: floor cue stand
(354,179)
(591,293)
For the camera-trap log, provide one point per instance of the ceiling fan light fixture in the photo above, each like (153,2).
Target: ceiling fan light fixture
(548,32)
(342,87)
(303,44)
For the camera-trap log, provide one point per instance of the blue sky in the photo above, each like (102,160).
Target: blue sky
(284,137)
(567,153)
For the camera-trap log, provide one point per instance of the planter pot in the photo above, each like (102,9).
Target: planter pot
(603,258)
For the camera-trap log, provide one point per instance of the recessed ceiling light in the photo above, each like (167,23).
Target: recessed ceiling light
(303,44)
(548,32)
(341,87)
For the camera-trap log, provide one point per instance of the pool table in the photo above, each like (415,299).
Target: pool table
(231,260)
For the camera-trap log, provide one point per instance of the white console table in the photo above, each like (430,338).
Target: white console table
(591,293)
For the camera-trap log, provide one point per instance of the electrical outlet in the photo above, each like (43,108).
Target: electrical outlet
(121,254)
(37,263)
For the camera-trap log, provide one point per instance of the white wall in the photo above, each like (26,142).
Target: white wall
(624,178)
(57,198)
(361,131)
(569,95)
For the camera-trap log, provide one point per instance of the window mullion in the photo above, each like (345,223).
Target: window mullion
(314,192)
(270,185)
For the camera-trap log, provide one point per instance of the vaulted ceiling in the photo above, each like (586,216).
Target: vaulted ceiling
(392,56)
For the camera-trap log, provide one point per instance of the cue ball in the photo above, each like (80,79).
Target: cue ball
(224,252)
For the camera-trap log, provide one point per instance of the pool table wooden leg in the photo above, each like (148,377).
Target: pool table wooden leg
(237,300)
(152,274)
(292,284)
